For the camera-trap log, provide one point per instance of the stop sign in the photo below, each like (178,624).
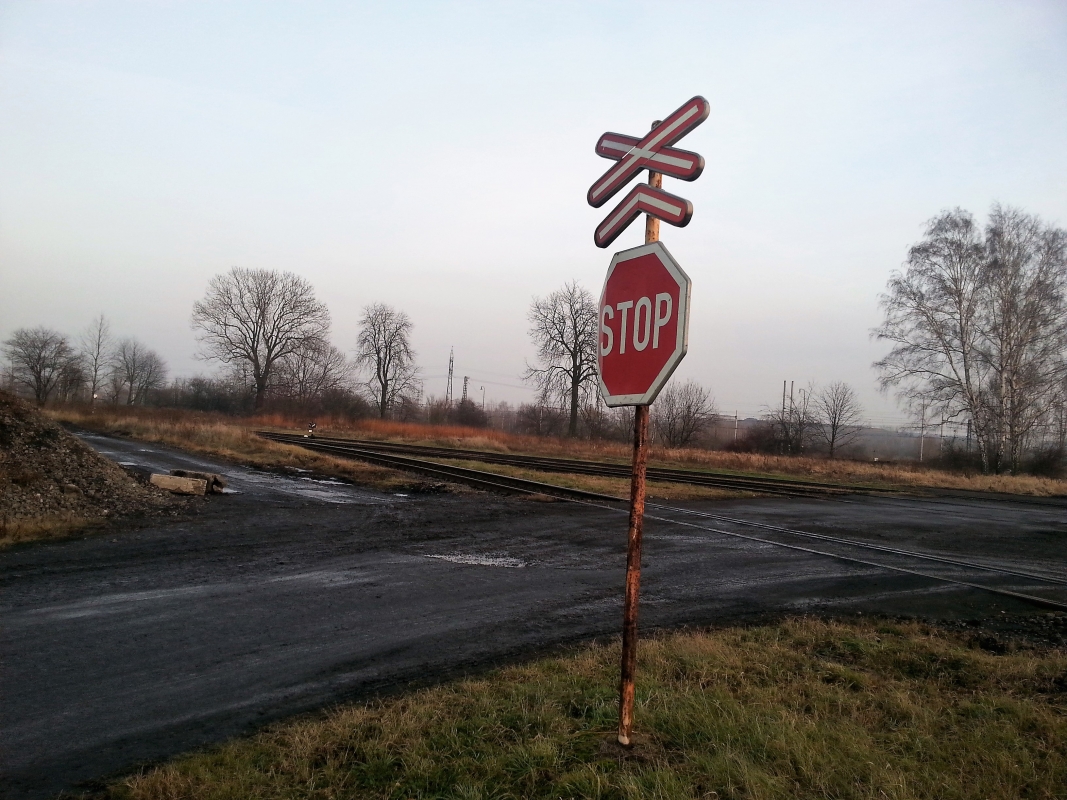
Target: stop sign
(644,324)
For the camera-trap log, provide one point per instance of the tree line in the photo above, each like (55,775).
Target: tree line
(270,326)
(565,330)
(267,330)
(95,366)
(976,320)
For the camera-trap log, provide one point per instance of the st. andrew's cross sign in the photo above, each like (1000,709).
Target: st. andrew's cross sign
(654,153)
(644,319)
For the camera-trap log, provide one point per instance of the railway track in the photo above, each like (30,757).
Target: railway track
(718,480)
(952,570)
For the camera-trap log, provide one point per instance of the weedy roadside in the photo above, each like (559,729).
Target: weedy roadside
(803,709)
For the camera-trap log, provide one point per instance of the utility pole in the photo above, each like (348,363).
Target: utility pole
(483,397)
(735,425)
(448,388)
(465,379)
(922,430)
(792,412)
(784,428)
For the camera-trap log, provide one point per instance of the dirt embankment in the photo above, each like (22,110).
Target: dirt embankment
(52,484)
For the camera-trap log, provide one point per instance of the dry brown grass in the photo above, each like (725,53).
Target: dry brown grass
(232,437)
(805,709)
(818,469)
(215,435)
(863,472)
(616,487)
(56,526)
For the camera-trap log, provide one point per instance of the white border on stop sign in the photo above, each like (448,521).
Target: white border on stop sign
(685,286)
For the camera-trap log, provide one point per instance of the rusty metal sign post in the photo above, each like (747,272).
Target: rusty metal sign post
(644,320)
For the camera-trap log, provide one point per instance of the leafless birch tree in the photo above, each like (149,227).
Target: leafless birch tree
(258,317)
(681,411)
(383,349)
(1025,327)
(839,415)
(38,358)
(978,325)
(565,329)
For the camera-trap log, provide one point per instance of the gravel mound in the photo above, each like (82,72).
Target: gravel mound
(51,481)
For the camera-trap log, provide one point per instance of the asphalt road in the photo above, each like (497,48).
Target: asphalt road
(293,593)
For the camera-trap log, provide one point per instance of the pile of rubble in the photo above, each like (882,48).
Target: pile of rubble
(47,475)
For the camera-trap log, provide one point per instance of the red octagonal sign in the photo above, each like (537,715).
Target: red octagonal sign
(644,324)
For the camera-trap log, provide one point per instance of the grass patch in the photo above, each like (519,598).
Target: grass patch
(804,709)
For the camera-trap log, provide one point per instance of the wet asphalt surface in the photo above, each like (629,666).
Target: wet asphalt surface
(292,594)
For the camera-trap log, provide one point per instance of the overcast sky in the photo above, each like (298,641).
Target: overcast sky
(436,156)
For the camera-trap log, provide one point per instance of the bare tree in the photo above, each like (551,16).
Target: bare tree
(1025,326)
(114,384)
(839,416)
(38,357)
(139,370)
(383,348)
(72,380)
(979,326)
(96,353)
(313,370)
(258,316)
(932,318)
(681,412)
(565,329)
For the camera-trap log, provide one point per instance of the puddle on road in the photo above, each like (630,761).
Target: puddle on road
(329,577)
(326,491)
(481,560)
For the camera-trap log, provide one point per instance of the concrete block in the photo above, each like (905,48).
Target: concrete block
(215,482)
(179,485)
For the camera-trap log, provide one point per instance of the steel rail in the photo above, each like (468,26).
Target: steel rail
(776,486)
(472,477)
(494,481)
(576,465)
(1041,602)
(864,545)
(597,468)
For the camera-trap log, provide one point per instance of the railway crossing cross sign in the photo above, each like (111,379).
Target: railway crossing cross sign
(654,153)
(644,324)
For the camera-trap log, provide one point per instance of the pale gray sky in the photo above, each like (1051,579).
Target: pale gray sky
(436,156)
